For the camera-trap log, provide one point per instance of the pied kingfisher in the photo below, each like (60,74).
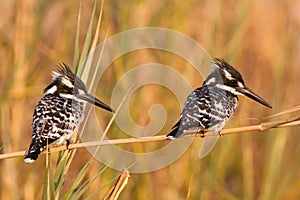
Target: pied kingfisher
(58,114)
(209,107)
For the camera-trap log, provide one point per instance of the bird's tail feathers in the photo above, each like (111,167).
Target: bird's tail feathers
(174,132)
(31,157)
(32,154)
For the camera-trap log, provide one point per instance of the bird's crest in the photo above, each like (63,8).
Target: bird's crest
(63,70)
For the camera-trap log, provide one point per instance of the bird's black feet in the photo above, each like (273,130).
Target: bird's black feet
(200,133)
(67,144)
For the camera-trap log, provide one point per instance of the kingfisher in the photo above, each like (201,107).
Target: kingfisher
(210,106)
(58,114)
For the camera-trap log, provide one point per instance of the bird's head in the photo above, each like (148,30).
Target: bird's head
(67,85)
(225,77)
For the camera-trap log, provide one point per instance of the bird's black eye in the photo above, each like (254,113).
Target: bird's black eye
(233,82)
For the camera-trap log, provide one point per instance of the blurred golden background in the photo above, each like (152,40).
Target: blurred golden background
(260,38)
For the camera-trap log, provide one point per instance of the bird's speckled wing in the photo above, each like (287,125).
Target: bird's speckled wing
(206,108)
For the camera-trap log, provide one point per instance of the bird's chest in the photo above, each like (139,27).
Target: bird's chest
(223,106)
(76,110)
(224,103)
(56,110)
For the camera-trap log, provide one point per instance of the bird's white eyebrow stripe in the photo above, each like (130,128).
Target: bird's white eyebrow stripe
(227,74)
(229,89)
(67,82)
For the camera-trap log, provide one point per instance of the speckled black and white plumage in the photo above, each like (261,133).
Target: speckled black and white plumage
(54,120)
(60,111)
(206,108)
(209,107)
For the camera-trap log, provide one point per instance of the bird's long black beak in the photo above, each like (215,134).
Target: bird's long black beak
(89,98)
(249,93)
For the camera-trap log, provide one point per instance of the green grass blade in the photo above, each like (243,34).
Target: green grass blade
(48,191)
(87,43)
(78,180)
(85,185)
(60,173)
(76,47)
(92,196)
(87,67)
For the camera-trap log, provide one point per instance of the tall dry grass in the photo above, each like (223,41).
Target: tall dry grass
(260,38)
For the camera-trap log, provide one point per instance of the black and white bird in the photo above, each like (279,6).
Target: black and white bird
(59,113)
(209,107)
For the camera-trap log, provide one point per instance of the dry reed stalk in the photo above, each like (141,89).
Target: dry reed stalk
(295,121)
(115,191)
